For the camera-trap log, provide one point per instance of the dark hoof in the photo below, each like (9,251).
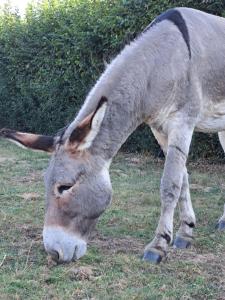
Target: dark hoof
(152,257)
(220,225)
(181,243)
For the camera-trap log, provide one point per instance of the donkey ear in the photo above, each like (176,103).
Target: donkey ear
(83,135)
(29,140)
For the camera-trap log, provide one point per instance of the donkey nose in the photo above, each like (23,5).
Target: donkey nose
(63,246)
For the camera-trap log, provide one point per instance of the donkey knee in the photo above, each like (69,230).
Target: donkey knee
(170,193)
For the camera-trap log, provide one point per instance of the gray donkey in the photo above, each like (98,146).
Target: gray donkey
(172,77)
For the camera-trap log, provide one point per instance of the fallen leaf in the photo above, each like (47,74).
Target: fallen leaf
(29,196)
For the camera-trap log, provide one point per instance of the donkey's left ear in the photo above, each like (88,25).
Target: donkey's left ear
(83,135)
(29,140)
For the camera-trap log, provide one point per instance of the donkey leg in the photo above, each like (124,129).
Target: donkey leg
(179,140)
(187,217)
(221,223)
(184,235)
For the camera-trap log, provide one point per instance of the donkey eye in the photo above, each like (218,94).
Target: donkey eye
(63,188)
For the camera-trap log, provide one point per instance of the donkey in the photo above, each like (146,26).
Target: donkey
(171,77)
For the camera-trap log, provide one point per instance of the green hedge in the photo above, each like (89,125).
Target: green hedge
(50,59)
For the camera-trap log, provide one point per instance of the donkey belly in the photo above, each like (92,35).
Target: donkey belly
(212,119)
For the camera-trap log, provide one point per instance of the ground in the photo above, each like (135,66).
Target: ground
(112,268)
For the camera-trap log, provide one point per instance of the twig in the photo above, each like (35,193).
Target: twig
(3,261)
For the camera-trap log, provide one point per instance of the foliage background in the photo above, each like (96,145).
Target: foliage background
(50,58)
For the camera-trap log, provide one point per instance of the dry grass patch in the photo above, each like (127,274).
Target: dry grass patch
(112,268)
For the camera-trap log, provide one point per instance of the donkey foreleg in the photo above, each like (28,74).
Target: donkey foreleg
(184,235)
(170,189)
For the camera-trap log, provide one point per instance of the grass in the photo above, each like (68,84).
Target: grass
(112,268)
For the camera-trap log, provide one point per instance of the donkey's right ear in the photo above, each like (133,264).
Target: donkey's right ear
(85,132)
(29,140)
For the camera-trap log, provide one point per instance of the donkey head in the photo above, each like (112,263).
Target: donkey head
(78,187)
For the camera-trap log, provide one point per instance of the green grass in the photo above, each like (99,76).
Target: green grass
(114,253)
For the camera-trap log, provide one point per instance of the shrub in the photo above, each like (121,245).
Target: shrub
(50,59)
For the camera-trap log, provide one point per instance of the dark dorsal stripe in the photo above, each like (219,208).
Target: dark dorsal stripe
(177,19)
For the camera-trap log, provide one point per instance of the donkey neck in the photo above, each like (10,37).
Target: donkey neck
(120,120)
(125,84)
(125,92)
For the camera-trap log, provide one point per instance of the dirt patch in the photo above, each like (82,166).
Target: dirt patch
(81,273)
(51,263)
(191,255)
(31,232)
(208,265)
(117,245)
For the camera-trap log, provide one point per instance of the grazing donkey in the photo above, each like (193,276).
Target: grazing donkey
(172,77)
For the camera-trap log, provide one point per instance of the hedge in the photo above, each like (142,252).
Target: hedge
(51,58)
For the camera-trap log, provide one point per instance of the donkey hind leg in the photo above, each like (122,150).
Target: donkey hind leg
(221,223)
(184,236)
(179,140)
(187,217)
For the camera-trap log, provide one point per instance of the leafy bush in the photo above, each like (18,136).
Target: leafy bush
(50,59)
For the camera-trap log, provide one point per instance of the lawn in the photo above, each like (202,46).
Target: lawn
(112,267)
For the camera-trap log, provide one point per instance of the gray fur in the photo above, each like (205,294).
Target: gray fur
(153,80)
(156,81)
(176,17)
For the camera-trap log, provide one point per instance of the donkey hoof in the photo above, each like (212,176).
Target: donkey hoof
(220,225)
(181,243)
(152,257)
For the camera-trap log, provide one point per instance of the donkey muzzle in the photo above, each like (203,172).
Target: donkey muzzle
(63,246)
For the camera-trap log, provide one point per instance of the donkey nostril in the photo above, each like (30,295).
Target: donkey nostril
(55,255)
(74,254)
